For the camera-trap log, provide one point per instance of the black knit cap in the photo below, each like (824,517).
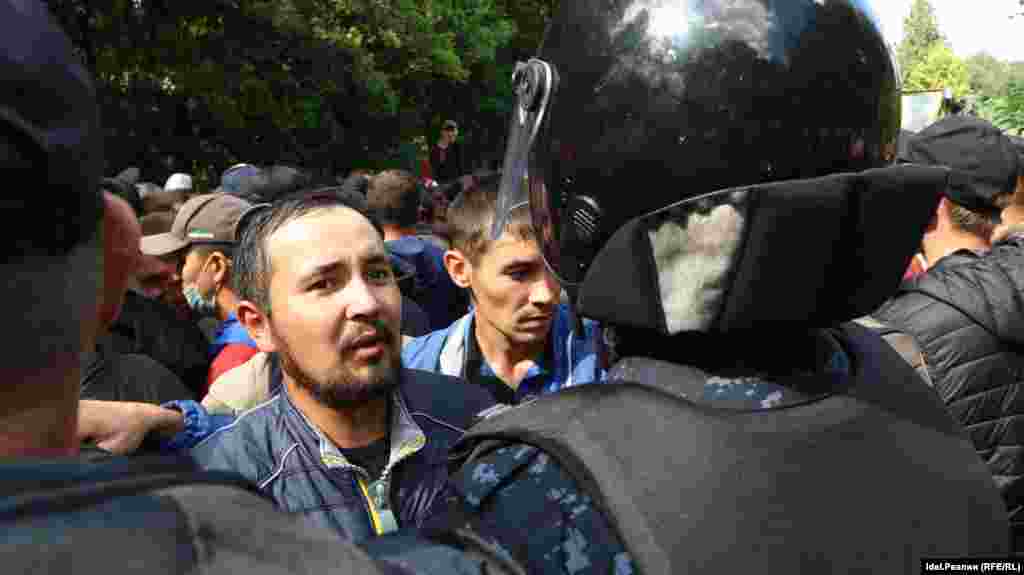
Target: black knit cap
(50,135)
(983,157)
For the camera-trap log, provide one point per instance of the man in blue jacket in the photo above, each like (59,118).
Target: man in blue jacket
(518,341)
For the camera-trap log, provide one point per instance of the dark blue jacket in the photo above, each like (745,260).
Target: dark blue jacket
(228,332)
(278,449)
(432,287)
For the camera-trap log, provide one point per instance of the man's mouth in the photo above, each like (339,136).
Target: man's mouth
(536,321)
(369,339)
(369,347)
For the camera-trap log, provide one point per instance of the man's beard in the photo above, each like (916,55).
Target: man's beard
(343,389)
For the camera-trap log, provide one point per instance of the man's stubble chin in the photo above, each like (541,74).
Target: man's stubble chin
(343,387)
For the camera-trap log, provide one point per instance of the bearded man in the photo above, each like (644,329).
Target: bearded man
(353,441)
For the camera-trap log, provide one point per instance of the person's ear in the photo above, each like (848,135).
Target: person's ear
(257,324)
(459,268)
(941,215)
(219,265)
(121,231)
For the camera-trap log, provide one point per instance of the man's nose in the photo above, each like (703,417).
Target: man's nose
(363,299)
(545,291)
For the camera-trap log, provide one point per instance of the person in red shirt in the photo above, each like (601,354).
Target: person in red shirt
(446,159)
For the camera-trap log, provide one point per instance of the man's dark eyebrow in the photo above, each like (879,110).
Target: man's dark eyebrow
(322,269)
(330,267)
(521,263)
(377,258)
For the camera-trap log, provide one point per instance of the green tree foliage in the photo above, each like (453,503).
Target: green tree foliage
(326,84)
(920,32)
(1005,110)
(940,68)
(987,75)
(926,60)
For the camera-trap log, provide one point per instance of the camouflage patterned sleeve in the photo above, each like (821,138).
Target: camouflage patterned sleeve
(526,506)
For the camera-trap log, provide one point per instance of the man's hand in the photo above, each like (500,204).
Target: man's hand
(121,426)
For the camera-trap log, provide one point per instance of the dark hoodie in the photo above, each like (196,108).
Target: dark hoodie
(967,315)
(431,287)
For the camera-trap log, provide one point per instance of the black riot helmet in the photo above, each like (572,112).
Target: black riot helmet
(50,135)
(632,106)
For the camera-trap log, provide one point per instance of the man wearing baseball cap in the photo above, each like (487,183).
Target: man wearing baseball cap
(200,245)
(965,312)
(982,154)
(179,183)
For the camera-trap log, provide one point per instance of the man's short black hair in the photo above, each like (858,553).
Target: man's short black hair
(252,266)
(394,198)
(126,191)
(270,184)
(356,183)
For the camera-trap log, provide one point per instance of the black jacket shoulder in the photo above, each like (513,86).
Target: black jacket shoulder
(151,328)
(966,315)
(452,399)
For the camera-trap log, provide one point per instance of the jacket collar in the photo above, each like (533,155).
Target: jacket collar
(559,359)
(407,438)
(453,354)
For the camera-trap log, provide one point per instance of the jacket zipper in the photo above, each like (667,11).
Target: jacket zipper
(368,502)
(382,516)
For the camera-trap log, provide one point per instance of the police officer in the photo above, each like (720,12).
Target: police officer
(713,181)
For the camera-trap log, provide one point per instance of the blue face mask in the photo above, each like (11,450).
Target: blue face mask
(202,306)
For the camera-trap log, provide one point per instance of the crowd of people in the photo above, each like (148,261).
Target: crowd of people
(386,376)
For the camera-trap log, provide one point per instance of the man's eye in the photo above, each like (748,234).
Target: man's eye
(322,284)
(382,275)
(518,275)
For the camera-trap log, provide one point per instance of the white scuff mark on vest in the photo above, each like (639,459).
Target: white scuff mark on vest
(575,551)
(540,464)
(771,400)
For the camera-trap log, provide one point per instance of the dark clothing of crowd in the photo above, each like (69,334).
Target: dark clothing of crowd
(150,328)
(113,376)
(966,315)
(429,285)
(447,164)
(153,515)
